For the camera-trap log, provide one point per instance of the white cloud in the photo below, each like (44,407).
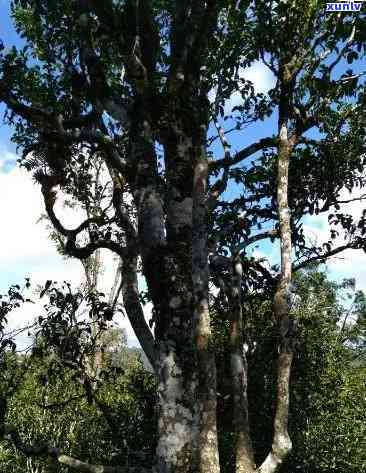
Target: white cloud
(7,159)
(25,247)
(258,73)
(262,78)
(349,263)
(21,239)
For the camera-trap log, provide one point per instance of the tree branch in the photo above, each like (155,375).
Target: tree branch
(356,245)
(258,237)
(134,310)
(9,433)
(54,125)
(86,251)
(243,154)
(355,199)
(70,246)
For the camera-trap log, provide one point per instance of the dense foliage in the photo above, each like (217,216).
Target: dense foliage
(49,404)
(328,379)
(327,403)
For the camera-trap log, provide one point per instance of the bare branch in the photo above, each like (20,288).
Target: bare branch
(258,237)
(220,186)
(244,153)
(134,310)
(321,258)
(70,247)
(348,78)
(83,252)
(355,199)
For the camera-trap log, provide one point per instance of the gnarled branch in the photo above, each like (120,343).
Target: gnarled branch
(43,450)
(70,247)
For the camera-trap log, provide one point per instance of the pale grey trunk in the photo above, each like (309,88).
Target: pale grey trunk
(207,397)
(282,445)
(177,423)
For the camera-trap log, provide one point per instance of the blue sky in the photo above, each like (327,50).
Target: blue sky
(10,37)
(24,245)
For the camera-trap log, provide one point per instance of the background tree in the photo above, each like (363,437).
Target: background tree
(325,424)
(327,405)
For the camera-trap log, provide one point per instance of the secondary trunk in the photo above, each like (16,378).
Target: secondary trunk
(281,444)
(206,396)
(243,449)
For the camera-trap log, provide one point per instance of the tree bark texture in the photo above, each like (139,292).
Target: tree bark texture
(244,455)
(281,444)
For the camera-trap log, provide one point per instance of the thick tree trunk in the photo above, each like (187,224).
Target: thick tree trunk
(178,420)
(177,373)
(165,247)
(187,372)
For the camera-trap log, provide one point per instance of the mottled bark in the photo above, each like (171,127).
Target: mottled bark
(178,414)
(164,237)
(168,280)
(177,422)
(207,397)
(243,448)
(281,444)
